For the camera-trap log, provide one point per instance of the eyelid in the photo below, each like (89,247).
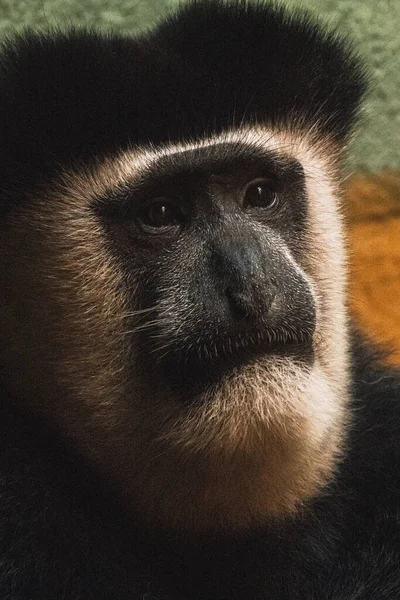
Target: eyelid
(268,179)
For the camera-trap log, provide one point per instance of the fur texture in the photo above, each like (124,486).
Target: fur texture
(155,444)
(63,536)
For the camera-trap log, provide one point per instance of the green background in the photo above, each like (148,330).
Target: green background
(373,24)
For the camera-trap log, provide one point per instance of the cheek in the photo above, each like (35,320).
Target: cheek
(169,279)
(71,294)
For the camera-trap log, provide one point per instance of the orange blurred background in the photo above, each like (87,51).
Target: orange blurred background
(373,211)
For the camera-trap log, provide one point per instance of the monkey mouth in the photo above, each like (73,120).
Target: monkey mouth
(193,368)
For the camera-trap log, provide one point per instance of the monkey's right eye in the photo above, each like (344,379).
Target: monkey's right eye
(160,214)
(260,193)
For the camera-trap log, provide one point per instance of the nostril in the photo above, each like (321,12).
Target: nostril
(239,305)
(250,304)
(270,298)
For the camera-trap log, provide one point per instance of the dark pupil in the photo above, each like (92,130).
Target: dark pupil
(259,194)
(161,214)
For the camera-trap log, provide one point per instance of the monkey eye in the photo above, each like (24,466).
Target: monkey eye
(160,213)
(260,193)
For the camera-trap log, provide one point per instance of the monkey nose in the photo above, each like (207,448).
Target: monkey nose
(249,304)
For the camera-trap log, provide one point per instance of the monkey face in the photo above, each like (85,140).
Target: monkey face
(193,339)
(216,233)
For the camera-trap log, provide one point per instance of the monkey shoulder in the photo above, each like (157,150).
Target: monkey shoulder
(363,504)
(60,535)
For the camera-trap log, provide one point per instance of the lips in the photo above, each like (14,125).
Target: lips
(192,369)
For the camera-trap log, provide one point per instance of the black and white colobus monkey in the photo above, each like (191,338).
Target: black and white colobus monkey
(185,412)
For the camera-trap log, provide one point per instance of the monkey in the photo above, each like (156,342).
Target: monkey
(188,411)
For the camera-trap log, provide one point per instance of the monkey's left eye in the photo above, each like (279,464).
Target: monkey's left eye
(160,213)
(260,193)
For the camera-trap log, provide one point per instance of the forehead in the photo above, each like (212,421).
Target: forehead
(259,146)
(219,163)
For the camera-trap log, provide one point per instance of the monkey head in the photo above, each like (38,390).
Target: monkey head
(172,257)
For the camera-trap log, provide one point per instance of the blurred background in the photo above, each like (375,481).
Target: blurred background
(372,183)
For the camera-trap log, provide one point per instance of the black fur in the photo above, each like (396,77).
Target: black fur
(62,537)
(210,67)
(80,95)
